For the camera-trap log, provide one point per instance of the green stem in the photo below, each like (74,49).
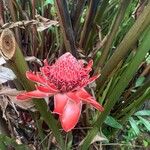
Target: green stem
(89,138)
(49,119)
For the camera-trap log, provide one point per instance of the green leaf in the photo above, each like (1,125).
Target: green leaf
(7,141)
(49,2)
(134,125)
(145,122)
(145,143)
(2,146)
(143,113)
(139,81)
(110,121)
(106,91)
(148,59)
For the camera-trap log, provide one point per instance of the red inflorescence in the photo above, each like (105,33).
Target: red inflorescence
(65,79)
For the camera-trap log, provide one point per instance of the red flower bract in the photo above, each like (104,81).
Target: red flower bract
(65,79)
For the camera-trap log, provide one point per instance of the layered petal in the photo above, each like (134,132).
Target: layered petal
(38,78)
(90,80)
(70,115)
(46,89)
(32,94)
(35,77)
(45,62)
(60,100)
(93,78)
(23,96)
(52,86)
(86,97)
(73,96)
(88,67)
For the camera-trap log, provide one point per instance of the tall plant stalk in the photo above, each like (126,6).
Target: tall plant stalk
(97,21)
(66,26)
(88,22)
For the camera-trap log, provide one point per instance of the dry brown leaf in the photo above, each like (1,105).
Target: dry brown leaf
(41,22)
(97,138)
(3,105)
(43,26)
(11,94)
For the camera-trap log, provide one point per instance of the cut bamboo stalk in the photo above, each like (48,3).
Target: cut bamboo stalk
(15,60)
(18,64)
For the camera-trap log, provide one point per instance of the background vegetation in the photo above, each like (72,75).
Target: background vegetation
(114,33)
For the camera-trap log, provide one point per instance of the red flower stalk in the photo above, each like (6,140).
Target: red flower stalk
(65,80)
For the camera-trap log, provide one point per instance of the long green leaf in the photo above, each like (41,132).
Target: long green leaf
(145,122)
(122,84)
(134,125)
(112,33)
(143,113)
(112,122)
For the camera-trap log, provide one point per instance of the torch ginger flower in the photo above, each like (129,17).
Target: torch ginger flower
(65,79)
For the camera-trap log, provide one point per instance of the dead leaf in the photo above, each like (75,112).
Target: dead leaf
(3,105)
(41,22)
(33,59)
(97,138)
(45,25)
(11,94)
(6,74)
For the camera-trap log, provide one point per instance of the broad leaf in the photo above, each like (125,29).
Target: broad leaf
(110,121)
(6,142)
(143,113)
(134,125)
(145,122)
(139,81)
